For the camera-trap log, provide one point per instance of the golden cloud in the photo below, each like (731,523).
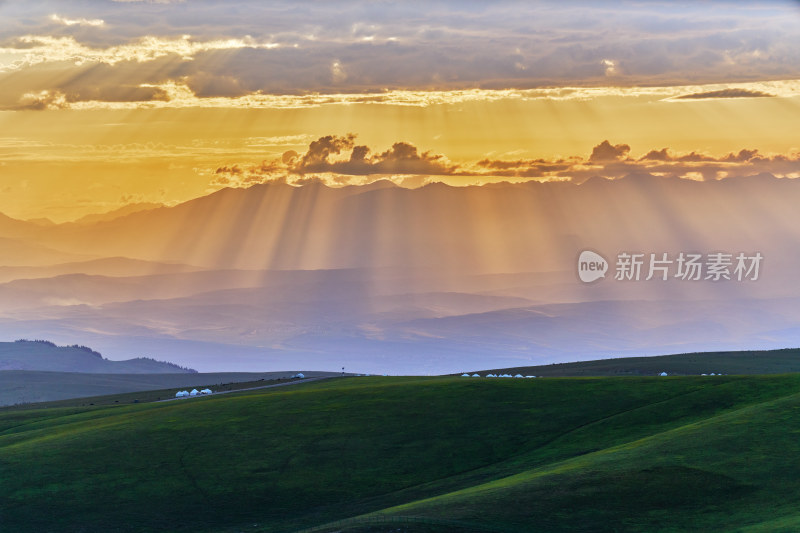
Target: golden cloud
(76,22)
(38,49)
(177,94)
(338,160)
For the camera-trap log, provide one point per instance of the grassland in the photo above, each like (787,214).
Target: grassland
(454,454)
(747,362)
(33,387)
(146,396)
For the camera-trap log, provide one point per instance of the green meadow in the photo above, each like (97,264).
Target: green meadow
(384,454)
(745,362)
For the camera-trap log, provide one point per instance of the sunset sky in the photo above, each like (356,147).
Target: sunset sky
(658,127)
(109,103)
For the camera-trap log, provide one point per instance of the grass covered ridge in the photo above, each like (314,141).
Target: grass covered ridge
(588,454)
(752,362)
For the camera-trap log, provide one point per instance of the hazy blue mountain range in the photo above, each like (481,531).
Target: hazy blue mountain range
(45,355)
(379,278)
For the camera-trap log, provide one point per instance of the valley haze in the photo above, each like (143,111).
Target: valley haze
(384,279)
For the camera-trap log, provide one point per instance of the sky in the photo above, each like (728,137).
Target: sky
(108,103)
(662,127)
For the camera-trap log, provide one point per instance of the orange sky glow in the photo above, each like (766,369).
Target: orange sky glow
(97,111)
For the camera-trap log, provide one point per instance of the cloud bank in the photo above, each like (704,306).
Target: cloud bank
(340,160)
(306,48)
(725,93)
(224,92)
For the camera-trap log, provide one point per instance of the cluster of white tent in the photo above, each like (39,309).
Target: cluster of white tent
(465,375)
(496,376)
(194,392)
(299,375)
(711,374)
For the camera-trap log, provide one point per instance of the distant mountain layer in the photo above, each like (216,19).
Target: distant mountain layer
(43,355)
(117,213)
(440,279)
(495,228)
(784,361)
(108,266)
(20,252)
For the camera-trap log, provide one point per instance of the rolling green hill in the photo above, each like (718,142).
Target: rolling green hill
(748,362)
(453,454)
